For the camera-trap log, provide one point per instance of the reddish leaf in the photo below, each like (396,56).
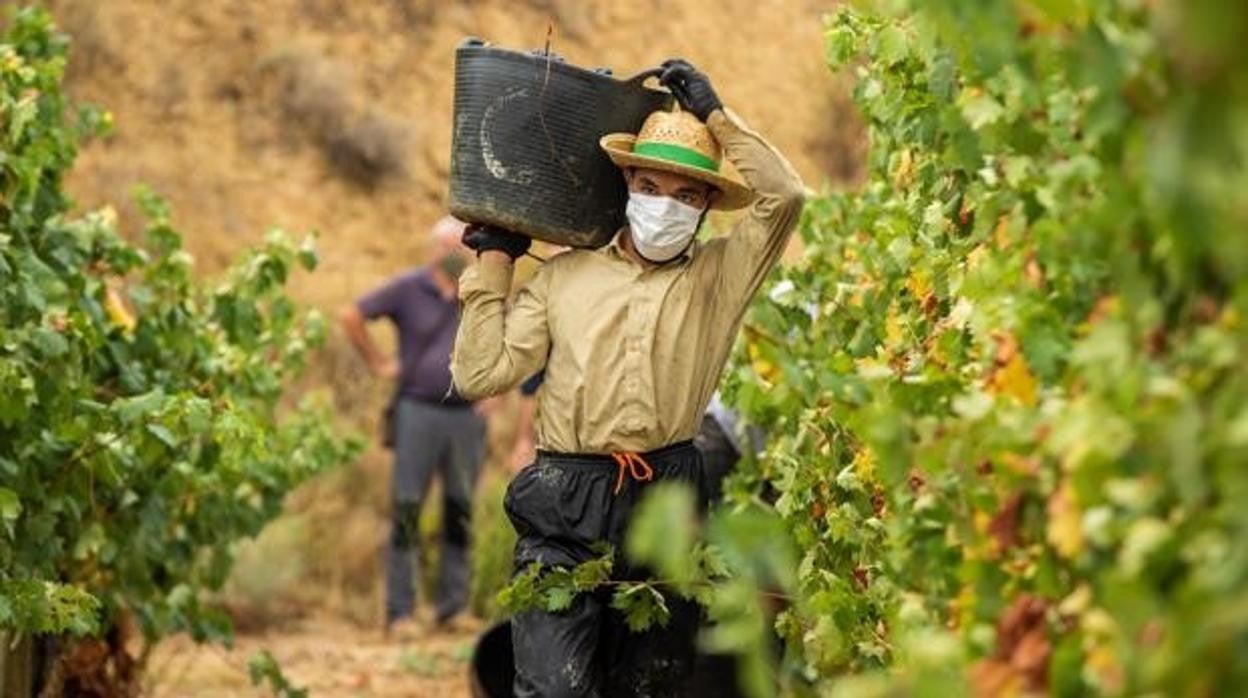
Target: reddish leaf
(1004,525)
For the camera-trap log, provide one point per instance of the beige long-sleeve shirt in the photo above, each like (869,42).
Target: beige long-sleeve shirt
(633,352)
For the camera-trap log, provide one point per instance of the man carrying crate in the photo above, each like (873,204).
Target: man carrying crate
(633,338)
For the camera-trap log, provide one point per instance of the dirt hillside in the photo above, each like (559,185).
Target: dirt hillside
(334,115)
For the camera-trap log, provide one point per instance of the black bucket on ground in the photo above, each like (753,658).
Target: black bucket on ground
(493,664)
(493,669)
(524,151)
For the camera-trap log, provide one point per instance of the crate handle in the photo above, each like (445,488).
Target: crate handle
(644,75)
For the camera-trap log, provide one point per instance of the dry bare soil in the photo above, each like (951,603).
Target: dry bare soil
(326,656)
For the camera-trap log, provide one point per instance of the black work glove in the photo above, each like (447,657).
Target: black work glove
(481,237)
(690,86)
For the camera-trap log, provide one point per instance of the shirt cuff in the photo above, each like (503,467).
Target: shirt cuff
(492,278)
(725,119)
(762,166)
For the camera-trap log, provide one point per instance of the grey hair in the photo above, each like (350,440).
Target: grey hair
(448,228)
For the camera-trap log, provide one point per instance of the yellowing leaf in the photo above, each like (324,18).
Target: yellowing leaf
(1023,465)
(1048,16)
(976,256)
(903,168)
(981,520)
(117,311)
(919,284)
(864,464)
(1106,306)
(1077,602)
(1103,670)
(1012,376)
(766,369)
(894,328)
(873,369)
(1015,380)
(1065,531)
(962,607)
(1001,232)
(1229,318)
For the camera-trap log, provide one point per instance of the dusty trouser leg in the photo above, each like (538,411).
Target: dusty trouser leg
(556,653)
(659,662)
(559,510)
(417,444)
(466,447)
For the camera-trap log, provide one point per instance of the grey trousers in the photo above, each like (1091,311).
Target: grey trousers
(451,442)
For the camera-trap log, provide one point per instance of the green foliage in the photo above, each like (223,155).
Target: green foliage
(751,581)
(493,545)
(642,604)
(1005,382)
(140,429)
(553,589)
(662,534)
(263,668)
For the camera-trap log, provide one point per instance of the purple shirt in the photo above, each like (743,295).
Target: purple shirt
(426,323)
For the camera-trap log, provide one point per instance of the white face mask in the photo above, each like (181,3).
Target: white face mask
(661,226)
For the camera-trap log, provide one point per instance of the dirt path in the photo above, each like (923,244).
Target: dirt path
(329,657)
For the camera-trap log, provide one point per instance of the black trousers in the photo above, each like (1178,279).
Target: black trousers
(560,507)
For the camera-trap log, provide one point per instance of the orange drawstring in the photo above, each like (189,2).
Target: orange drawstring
(628,462)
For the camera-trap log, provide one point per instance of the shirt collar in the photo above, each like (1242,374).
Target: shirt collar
(424,278)
(424,281)
(617,251)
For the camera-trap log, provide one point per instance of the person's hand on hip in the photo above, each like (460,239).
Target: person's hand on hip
(388,368)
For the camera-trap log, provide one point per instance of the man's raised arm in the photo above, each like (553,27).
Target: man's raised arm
(498,347)
(758,239)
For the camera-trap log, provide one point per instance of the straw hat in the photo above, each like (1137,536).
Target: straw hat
(676,141)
